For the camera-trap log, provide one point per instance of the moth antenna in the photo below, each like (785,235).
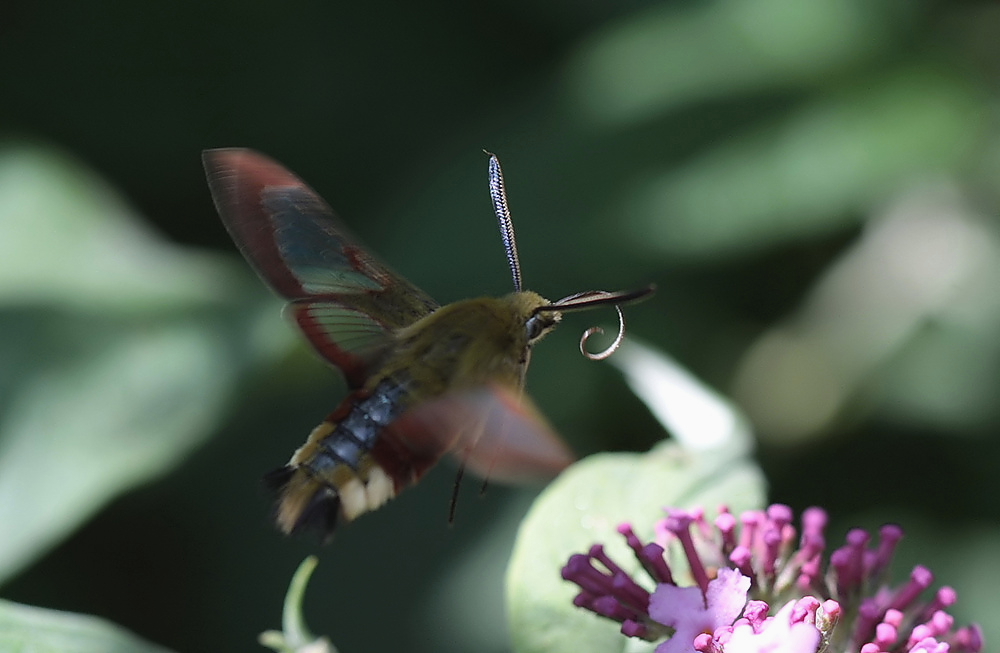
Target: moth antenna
(499,197)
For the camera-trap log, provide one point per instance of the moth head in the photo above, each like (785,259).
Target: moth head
(543,316)
(528,309)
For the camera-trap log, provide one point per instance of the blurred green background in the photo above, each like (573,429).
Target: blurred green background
(811,185)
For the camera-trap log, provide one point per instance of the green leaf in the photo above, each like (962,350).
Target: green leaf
(811,172)
(121,351)
(121,406)
(677,54)
(697,416)
(70,239)
(588,501)
(26,628)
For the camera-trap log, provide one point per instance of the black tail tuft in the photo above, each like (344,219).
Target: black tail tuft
(321,514)
(276,479)
(320,511)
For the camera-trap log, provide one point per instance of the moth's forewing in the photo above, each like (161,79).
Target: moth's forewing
(239,180)
(344,299)
(496,432)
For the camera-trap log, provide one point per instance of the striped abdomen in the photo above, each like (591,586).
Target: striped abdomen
(354,461)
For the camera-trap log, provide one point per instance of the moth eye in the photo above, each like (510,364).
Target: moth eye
(536,325)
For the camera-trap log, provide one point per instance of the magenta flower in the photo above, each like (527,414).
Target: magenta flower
(840,604)
(793,629)
(690,613)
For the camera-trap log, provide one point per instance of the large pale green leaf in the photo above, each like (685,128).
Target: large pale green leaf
(587,503)
(120,405)
(120,350)
(27,629)
(70,239)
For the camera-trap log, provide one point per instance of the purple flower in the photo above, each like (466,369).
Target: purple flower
(792,629)
(690,613)
(839,602)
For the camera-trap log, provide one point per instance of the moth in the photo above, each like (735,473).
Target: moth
(425,380)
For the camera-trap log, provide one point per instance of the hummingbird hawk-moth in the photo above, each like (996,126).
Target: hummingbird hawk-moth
(424,379)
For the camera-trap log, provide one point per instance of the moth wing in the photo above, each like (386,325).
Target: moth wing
(496,433)
(344,299)
(349,338)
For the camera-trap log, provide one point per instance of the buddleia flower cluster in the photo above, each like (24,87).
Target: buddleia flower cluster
(759,586)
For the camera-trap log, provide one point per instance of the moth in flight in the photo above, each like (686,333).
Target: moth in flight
(424,379)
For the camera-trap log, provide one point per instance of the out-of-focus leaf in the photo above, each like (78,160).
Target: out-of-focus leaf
(120,350)
(69,239)
(946,377)
(26,628)
(923,264)
(697,416)
(123,406)
(589,500)
(811,172)
(669,56)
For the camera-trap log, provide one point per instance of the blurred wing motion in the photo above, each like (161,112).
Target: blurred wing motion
(495,433)
(346,302)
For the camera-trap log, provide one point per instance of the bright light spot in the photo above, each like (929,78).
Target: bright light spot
(693,413)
